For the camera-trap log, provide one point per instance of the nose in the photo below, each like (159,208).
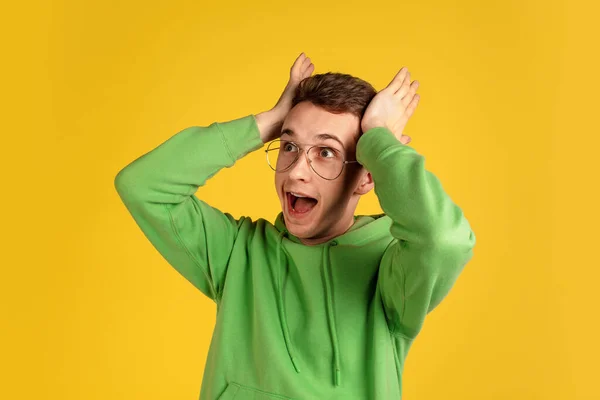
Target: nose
(300,170)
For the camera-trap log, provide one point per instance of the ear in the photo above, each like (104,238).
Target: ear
(365,183)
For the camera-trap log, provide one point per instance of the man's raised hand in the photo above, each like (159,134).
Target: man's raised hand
(393,106)
(302,68)
(270,122)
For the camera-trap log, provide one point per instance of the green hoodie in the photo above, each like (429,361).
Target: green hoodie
(329,321)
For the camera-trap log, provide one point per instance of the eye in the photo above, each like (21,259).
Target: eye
(327,152)
(288,146)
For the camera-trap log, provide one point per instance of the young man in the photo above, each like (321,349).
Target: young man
(322,304)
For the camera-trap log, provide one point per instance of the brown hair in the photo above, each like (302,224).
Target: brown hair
(336,93)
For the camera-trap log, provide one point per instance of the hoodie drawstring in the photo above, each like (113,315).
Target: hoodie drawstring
(280,305)
(337,373)
(329,302)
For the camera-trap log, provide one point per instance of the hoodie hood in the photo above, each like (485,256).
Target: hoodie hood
(366,228)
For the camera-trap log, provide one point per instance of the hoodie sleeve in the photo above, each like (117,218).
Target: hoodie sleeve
(433,239)
(158,189)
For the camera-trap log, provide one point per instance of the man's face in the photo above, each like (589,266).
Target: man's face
(336,200)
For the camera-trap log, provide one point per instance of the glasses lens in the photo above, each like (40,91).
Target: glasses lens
(281,154)
(326,161)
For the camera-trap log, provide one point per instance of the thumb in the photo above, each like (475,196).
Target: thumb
(405,139)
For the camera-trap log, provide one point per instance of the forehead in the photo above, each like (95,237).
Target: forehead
(307,123)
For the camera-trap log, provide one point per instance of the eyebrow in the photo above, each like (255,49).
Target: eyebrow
(320,136)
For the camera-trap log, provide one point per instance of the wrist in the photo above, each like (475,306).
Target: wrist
(269,124)
(370,125)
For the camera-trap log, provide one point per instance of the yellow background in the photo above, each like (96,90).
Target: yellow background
(508,121)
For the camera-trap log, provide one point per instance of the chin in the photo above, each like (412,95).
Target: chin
(300,231)
(297,227)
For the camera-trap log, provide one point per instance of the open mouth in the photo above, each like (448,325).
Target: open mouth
(300,204)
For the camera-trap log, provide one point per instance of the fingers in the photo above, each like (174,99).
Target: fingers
(404,88)
(410,94)
(307,68)
(398,80)
(305,63)
(405,139)
(412,106)
(302,68)
(301,58)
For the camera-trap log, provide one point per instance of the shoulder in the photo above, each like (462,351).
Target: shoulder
(252,228)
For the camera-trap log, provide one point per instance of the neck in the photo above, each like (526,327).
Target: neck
(343,228)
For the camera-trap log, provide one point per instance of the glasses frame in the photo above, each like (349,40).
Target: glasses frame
(300,147)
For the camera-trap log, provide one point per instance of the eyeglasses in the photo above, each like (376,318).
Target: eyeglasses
(326,162)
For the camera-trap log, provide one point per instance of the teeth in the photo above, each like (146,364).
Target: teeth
(297,195)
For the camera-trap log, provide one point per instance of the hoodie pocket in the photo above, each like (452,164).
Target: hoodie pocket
(235,391)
